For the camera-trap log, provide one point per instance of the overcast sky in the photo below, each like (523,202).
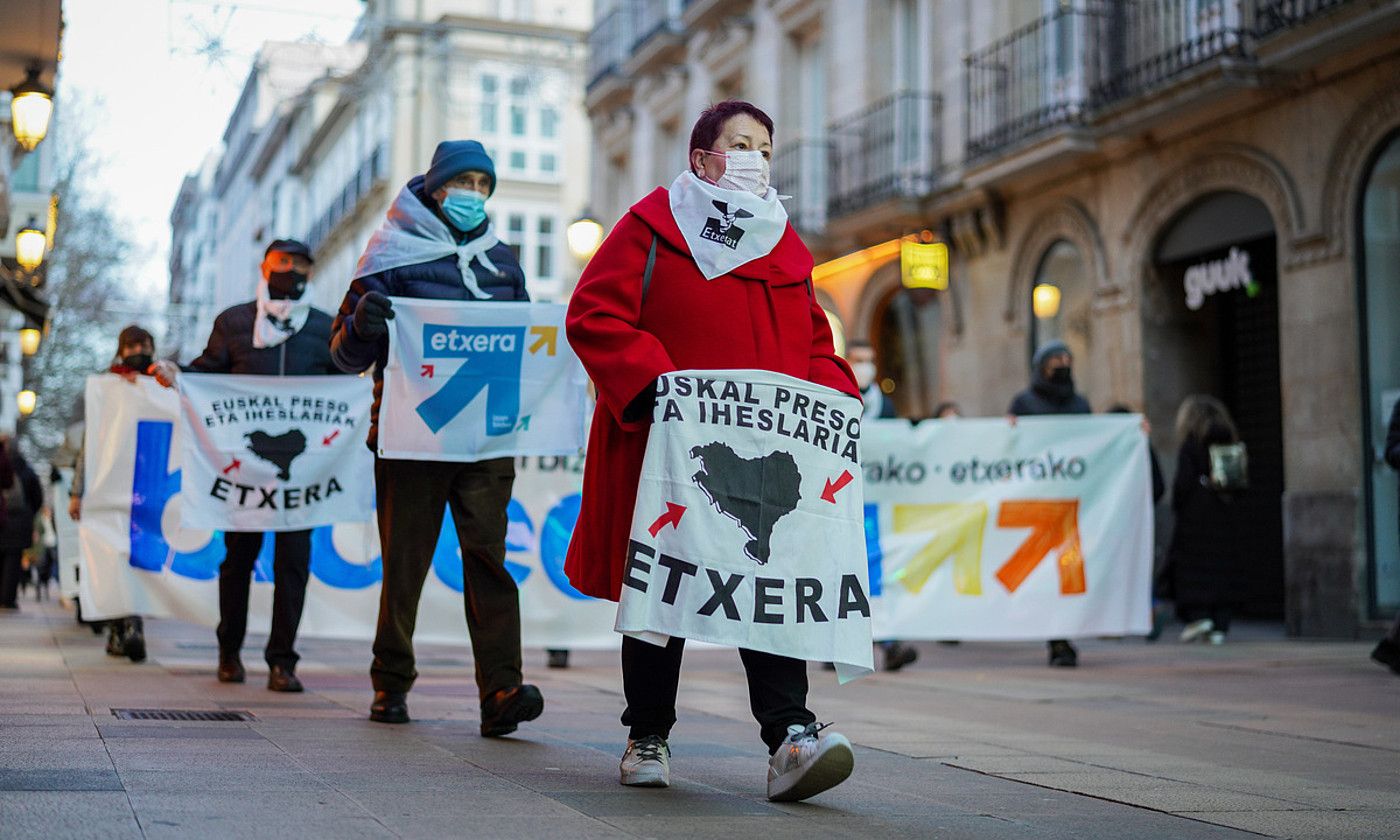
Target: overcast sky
(166,75)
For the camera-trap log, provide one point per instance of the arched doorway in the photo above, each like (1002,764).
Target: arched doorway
(1211,325)
(1061,300)
(1378,238)
(906,332)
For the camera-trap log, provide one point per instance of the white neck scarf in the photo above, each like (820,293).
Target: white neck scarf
(725,228)
(277,320)
(412,234)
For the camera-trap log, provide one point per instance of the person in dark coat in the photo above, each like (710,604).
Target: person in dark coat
(436,242)
(136,350)
(1387,652)
(279,333)
(1052,392)
(1206,559)
(22,496)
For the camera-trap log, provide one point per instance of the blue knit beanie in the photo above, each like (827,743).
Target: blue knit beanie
(1046,350)
(453,157)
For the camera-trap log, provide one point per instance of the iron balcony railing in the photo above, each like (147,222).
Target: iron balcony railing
(610,42)
(1270,16)
(1037,77)
(371,171)
(891,149)
(1150,42)
(654,16)
(802,169)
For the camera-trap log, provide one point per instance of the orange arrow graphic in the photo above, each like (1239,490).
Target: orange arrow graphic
(1054,525)
(548,338)
(954,530)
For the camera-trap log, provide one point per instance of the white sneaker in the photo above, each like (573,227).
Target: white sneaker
(647,763)
(1217,637)
(808,762)
(1196,630)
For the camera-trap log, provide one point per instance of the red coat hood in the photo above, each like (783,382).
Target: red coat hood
(788,262)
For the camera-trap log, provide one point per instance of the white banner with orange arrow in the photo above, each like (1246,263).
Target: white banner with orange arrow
(471,380)
(747,530)
(980,530)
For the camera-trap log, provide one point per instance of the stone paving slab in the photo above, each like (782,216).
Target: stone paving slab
(1265,736)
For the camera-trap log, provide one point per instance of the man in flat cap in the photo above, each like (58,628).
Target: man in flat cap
(279,333)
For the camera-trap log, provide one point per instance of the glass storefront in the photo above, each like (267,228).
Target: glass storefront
(1380,307)
(1061,300)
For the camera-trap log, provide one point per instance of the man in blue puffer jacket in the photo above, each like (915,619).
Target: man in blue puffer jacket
(436,242)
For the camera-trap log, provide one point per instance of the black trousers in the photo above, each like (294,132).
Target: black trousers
(291,566)
(11,570)
(411,498)
(651,675)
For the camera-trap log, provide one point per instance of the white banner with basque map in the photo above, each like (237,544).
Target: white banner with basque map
(978,529)
(748,525)
(138,558)
(471,380)
(275,453)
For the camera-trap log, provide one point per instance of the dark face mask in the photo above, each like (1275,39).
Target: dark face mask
(286,285)
(1061,376)
(137,361)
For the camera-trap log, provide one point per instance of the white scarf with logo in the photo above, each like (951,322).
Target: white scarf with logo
(725,228)
(412,234)
(277,320)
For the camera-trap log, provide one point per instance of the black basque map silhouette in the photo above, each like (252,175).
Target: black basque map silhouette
(754,492)
(278,450)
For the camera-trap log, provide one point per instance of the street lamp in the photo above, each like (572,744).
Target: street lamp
(30,242)
(30,109)
(1045,301)
(584,235)
(26,400)
(29,338)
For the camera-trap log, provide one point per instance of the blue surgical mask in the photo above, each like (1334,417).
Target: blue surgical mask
(466,209)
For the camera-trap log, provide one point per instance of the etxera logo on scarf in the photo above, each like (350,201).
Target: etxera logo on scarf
(491,359)
(723,230)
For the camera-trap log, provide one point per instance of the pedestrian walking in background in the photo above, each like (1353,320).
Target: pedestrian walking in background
(136,351)
(1208,556)
(1387,652)
(1052,392)
(278,333)
(23,498)
(437,242)
(860,355)
(660,296)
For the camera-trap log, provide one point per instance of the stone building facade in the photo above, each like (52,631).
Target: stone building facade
(1199,196)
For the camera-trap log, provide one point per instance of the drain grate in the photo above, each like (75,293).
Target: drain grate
(180,714)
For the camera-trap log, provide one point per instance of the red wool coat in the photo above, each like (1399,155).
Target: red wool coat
(761,315)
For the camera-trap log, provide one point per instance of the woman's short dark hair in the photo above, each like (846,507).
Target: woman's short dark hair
(713,118)
(135,335)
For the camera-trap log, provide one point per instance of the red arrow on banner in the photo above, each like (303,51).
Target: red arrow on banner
(233,466)
(427,371)
(1054,525)
(326,441)
(672,516)
(834,487)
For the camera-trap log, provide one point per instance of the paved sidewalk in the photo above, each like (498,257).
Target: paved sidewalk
(1262,736)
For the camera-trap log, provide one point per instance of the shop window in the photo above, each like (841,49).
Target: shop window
(1060,300)
(906,337)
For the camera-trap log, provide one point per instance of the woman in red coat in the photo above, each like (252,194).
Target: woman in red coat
(707,275)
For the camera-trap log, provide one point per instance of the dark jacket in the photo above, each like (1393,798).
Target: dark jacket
(1045,397)
(1392,439)
(21,506)
(1208,558)
(438,279)
(230,348)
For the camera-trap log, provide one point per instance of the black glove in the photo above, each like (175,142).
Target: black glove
(640,408)
(372,315)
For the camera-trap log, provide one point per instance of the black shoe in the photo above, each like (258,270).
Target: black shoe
(1063,654)
(503,711)
(281,678)
(116,643)
(1387,653)
(558,658)
(389,707)
(231,668)
(898,654)
(134,639)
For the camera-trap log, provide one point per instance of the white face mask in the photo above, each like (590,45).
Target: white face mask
(743,170)
(865,373)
